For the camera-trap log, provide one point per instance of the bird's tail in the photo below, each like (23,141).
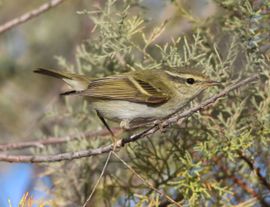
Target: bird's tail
(76,81)
(56,74)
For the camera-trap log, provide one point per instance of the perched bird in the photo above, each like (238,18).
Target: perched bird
(138,96)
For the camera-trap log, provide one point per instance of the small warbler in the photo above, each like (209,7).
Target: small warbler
(138,96)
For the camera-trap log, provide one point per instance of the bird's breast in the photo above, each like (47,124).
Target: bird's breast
(125,110)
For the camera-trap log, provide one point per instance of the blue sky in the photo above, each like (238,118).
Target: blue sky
(16,180)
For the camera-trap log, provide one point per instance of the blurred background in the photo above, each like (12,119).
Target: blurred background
(34,44)
(25,97)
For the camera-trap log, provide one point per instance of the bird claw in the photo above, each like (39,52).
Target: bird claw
(125,124)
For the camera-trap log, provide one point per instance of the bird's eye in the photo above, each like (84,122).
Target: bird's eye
(190,81)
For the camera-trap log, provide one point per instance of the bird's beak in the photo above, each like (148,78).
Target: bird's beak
(212,83)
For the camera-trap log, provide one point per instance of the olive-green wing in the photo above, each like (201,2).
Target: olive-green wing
(125,88)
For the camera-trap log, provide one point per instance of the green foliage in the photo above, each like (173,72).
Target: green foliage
(250,20)
(194,163)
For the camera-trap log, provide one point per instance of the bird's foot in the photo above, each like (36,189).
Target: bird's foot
(125,124)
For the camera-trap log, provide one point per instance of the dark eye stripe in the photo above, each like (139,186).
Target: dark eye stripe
(187,80)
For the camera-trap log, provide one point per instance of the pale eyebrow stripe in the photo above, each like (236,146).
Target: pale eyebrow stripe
(170,73)
(174,76)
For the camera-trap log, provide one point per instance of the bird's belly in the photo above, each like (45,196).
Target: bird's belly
(124,110)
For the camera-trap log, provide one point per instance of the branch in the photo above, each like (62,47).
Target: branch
(55,140)
(123,141)
(257,170)
(29,15)
(242,184)
(236,179)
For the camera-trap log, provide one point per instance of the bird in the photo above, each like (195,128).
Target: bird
(138,96)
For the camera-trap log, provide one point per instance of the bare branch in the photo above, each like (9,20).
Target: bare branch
(55,140)
(29,15)
(120,143)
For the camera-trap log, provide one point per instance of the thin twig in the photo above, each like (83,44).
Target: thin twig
(29,15)
(120,143)
(147,183)
(101,175)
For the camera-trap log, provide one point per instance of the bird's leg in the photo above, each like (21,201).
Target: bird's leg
(104,122)
(108,128)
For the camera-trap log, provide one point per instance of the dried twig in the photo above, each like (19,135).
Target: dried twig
(122,142)
(29,15)
(99,179)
